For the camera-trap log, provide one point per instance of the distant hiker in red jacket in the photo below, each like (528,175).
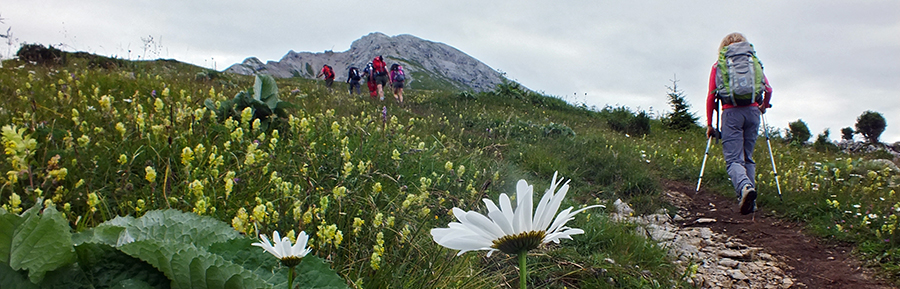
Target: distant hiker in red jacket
(329,75)
(381,75)
(369,74)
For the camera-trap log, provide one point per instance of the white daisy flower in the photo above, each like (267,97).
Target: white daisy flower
(508,230)
(289,255)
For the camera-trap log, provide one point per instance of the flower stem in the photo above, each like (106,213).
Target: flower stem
(523,270)
(290,277)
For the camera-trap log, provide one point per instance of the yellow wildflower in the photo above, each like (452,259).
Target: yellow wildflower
(149,174)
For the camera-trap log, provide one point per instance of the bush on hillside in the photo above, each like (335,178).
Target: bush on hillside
(847,133)
(870,124)
(41,55)
(823,143)
(621,119)
(798,132)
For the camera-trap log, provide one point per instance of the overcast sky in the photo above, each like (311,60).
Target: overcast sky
(828,61)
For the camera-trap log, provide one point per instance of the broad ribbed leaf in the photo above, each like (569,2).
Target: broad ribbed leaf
(315,273)
(8,224)
(265,89)
(167,225)
(105,233)
(41,243)
(111,268)
(190,267)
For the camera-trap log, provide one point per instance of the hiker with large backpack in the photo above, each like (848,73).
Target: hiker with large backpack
(353,79)
(381,75)
(329,75)
(737,82)
(369,74)
(397,80)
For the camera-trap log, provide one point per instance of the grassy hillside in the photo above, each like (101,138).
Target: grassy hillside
(368,179)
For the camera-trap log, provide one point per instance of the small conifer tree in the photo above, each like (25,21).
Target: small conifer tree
(680,118)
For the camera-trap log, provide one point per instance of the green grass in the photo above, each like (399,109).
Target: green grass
(400,163)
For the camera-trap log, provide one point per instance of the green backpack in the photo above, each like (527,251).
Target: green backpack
(739,76)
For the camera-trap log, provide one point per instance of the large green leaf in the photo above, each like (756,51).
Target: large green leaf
(8,224)
(265,90)
(162,225)
(190,267)
(111,268)
(315,273)
(41,243)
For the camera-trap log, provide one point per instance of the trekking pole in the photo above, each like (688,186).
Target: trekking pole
(772,156)
(703,166)
(716,135)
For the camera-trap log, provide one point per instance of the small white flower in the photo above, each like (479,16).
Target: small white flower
(508,230)
(289,255)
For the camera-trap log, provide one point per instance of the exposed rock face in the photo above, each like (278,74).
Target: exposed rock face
(427,64)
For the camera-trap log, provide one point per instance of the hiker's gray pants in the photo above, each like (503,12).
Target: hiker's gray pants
(740,129)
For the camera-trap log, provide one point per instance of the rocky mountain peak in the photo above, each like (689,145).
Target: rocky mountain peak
(428,64)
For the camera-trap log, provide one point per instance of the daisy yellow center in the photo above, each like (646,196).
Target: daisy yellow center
(514,244)
(291,261)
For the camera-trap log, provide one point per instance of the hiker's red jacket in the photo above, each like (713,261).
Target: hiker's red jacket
(711,96)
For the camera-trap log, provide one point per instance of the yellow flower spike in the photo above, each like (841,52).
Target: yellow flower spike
(448,166)
(246,116)
(348,168)
(121,129)
(92,201)
(377,187)
(196,188)
(357,225)
(159,105)
(84,140)
(241,221)
(338,236)
(150,174)
(395,155)
(123,159)
(14,202)
(339,192)
(335,129)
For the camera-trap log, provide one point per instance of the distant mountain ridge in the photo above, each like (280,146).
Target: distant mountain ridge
(429,65)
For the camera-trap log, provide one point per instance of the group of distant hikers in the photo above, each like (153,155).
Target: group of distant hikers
(377,76)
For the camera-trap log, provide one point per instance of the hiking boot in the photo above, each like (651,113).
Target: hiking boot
(748,199)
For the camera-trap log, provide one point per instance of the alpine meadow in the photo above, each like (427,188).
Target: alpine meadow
(161,174)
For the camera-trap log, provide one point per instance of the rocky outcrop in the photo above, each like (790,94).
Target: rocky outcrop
(428,65)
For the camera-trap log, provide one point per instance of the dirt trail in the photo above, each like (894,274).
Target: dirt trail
(814,264)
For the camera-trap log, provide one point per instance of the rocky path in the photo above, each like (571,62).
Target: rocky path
(730,250)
